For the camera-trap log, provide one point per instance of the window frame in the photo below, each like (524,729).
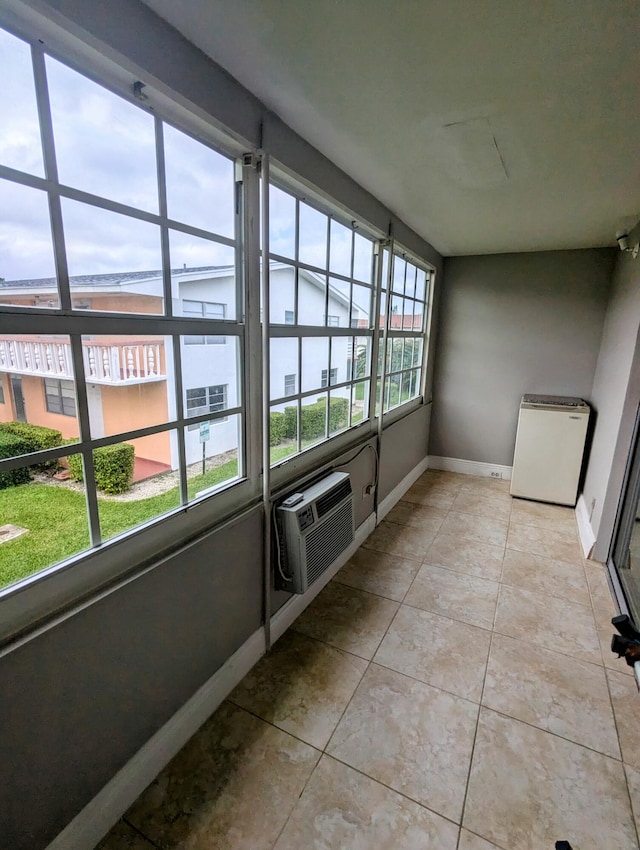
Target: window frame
(47,396)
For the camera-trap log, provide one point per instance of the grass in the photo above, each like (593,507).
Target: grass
(58,526)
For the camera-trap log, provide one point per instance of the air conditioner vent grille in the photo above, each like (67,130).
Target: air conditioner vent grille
(325,543)
(331,499)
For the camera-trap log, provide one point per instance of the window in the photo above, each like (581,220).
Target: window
(60,396)
(322,279)
(206,310)
(206,400)
(332,374)
(290,385)
(127,179)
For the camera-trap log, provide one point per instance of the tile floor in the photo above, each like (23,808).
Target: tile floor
(452,689)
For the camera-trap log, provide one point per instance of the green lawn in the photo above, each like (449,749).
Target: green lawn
(57,520)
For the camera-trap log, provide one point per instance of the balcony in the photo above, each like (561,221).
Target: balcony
(111,363)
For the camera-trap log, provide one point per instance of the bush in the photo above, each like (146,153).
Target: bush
(291,423)
(36,437)
(313,419)
(338,414)
(113,467)
(277,429)
(11,445)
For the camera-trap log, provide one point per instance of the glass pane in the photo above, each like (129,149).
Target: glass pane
(406,387)
(359,402)
(104,145)
(383,310)
(394,354)
(114,260)
(202,273)
(315,363)
(33,500)
(417,352)
(312,289)
(283,367)
(420,284)
(385,267)
(419,316)
(282,294)
(282,223)
(133,486)
(36,375)
(410,281)
(415,383)
(341,359)
(20,145)
(214,455)
(392,392)
(284,431)
(129,386)
(339,410)
(397,306)
(200,184)
(313,418)
(27,266)
(313,237)
(408,311)
(210,376)
(362,258)
(399,265)
(339,303)
(361,307)
(340,249)
(361,357)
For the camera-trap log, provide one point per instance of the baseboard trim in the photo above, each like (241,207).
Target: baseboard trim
(470,467)
(291,610)
(585,531)
(90,825)
(400,489)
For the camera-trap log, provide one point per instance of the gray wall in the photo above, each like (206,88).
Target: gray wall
(511,324)
(616,394)
(80,699)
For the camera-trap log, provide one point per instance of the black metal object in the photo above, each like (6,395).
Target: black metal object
(627,642)
(563,845)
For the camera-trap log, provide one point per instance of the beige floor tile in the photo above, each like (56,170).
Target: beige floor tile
(348,619)
(479,528)
(400,540)
(410,736)
(341,808)
(556,624)
(605,631)
(303,686)
(495,486)
(437,497)
(599,586)
(427,518)
(543,575)
(528,789)
(232,786)
(452,594)
(469,841)
(553,517)
(377,572)
(466,556)
(626,707)
(545,542)
(565,696)
(482,502)
(633,782)
(124,837)
(439,651)
(452,481)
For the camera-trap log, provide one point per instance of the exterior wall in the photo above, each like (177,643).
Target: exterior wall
(137,406)
(511,324)
(36,406)
(124,303)
(6,406)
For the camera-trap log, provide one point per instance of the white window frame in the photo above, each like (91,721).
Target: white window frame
(59,395)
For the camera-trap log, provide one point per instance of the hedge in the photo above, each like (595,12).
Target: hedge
(313,417)
(36,437)
(11,445)
(113,466)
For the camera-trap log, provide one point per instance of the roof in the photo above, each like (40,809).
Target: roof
(109,279)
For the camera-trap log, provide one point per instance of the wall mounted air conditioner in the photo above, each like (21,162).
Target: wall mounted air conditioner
(315,526)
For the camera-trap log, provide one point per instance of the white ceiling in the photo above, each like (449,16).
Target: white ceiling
(504,125)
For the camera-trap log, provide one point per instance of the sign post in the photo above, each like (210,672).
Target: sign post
(204,436)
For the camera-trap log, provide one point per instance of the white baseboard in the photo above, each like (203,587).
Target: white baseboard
(585,531)
(470,467)
(91,824)
(292,609)
(398,492)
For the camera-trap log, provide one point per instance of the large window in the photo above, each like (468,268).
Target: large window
(321,300)
(104,359)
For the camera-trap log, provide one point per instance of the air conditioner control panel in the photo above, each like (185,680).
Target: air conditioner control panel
(305,517)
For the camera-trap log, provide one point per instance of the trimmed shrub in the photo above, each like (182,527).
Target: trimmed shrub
(113,467)
(291,423)
(277,428)
(11,445)
(37,437)
(313,419)
(338,414)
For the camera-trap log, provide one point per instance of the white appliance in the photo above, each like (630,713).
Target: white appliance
(549,448)
(314,526)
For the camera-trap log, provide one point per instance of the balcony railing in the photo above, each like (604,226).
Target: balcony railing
(104,363)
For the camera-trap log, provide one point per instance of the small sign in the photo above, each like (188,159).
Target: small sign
(204,431)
